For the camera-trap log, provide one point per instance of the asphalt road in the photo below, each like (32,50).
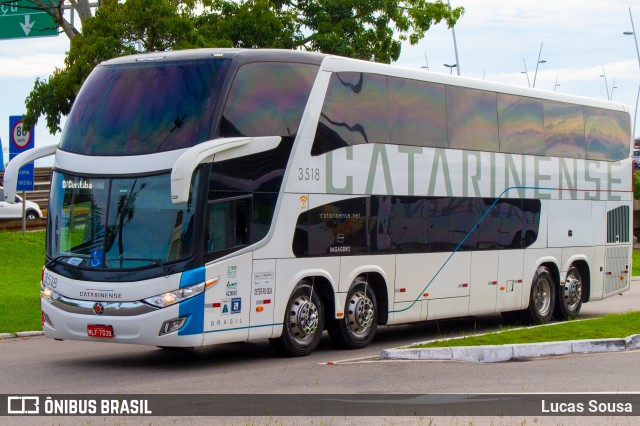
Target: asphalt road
(39,365)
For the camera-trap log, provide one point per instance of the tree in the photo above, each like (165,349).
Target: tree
(364,29)
(117,29)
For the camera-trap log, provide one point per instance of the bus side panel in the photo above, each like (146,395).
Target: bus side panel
(227,303)
(351,267)
(262,299)
(438,274)
(484,282)
(510,280)
(597,273)
(571,224)
(404,312)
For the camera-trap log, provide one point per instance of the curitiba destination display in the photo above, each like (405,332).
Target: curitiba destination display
(220,195)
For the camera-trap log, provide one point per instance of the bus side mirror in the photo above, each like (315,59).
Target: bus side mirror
(13,168)
(212,151)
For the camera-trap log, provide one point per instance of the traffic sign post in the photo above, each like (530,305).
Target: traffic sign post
(21,140)
(21,20)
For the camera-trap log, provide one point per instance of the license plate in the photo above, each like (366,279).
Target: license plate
(104,331)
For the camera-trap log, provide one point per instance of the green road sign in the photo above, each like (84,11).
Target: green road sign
(20,20)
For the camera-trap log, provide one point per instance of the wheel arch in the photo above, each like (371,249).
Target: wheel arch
(585,275)
(378,284)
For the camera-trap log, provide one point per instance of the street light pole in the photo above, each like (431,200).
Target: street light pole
(526,72)
(635,38)
(538,63)
(606,85)
(451,67)
(455,44)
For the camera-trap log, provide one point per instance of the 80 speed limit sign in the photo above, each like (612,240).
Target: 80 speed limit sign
(20,136)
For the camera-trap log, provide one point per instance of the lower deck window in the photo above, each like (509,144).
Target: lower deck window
(387,224)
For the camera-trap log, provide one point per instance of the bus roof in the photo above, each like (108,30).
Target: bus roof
(333,63)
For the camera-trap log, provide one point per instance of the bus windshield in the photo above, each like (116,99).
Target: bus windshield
(118,223)
(143,108)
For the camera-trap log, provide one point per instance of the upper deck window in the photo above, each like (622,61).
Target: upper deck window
(267,99)
(144,108)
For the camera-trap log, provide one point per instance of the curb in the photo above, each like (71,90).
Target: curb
(4,336)
(501,353)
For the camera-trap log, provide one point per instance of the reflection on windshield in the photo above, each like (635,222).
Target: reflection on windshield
(118,223)
(143,108)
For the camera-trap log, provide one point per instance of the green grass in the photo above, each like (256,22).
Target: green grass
(21,261)
(635,263)
(609,326)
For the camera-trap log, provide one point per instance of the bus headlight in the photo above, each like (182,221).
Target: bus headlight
(176,296)
(49,294)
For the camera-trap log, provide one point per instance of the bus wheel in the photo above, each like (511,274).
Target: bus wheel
(359,324)
(303,322)
(569,300)
(542,298)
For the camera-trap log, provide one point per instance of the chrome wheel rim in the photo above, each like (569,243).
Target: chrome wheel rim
(572,291)
(303,318)
(360,313)
(542,296)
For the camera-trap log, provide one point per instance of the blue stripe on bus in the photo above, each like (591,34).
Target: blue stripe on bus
(193,308)
(417,299)
(243,328)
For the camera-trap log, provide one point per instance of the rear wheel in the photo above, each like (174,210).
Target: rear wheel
(303,322)
(569,300)
(358,326)
(542,298)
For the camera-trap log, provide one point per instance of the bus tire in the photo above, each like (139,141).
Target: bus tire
(303,322)
(569,299)
(542,298)
(358,326)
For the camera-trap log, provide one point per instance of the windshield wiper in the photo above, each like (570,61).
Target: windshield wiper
(168,270)
(57,260)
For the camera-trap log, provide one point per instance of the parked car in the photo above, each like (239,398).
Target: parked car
(14,211)
(636,159)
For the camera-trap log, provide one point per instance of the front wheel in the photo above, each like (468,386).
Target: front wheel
(542,298)
(31,215)
(569,300)
(358,326)
(303,322)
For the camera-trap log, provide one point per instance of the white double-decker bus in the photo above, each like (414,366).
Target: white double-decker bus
(211,196)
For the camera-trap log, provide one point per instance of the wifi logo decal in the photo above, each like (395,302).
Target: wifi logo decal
(304,202)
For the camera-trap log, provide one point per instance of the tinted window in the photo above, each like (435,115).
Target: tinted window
(564,130)
(267,99)
(354,112)
(338,228)
(472,119)
(257,172)
(237,221)
(606,134)
(417,113)
(144,108)
(410,224)
(416,225)
(521,125)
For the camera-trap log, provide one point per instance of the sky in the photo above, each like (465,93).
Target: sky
(582,40)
